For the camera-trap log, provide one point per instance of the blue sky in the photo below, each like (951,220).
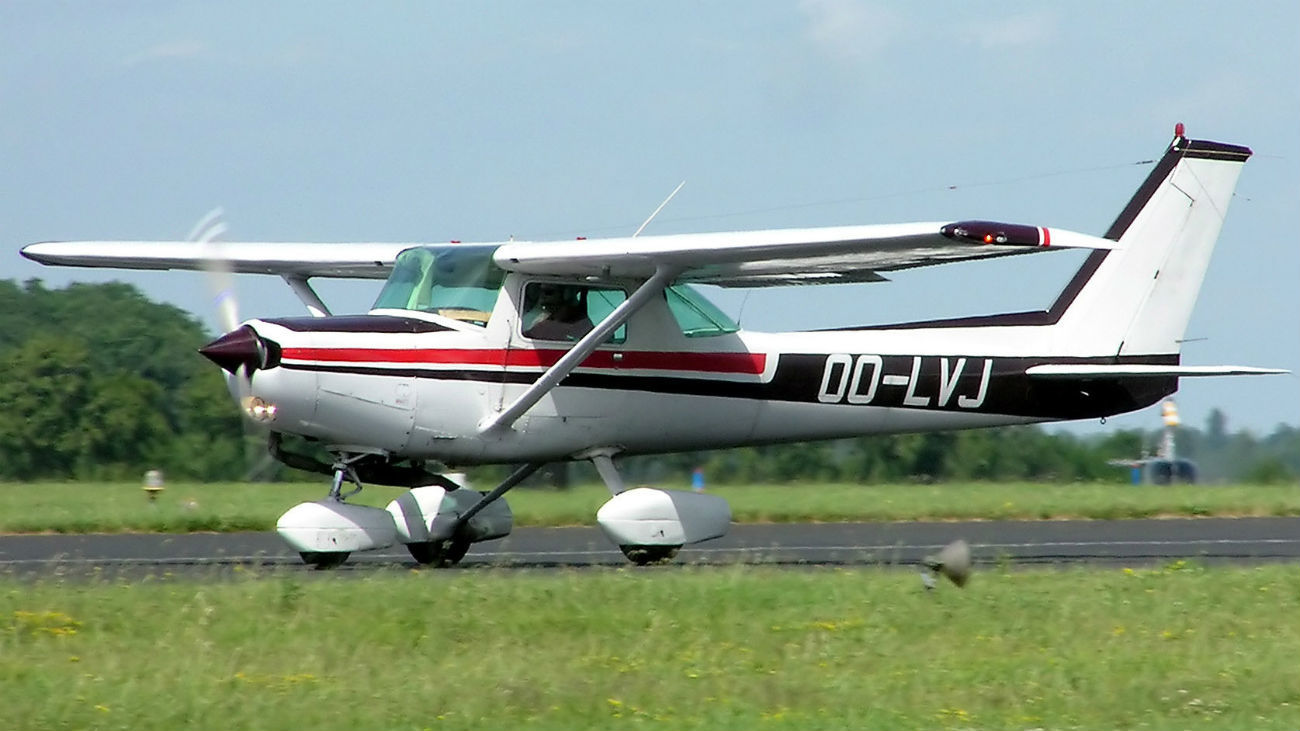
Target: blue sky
(428,121)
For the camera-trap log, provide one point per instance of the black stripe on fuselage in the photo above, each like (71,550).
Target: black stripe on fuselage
(358,324)
(958,383)
(943,383)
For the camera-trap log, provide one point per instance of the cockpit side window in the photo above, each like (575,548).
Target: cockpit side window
(458,281)
(568,311)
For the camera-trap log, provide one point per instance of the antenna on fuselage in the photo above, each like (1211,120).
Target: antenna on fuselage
(657,210)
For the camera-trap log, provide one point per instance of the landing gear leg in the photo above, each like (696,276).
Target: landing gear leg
(343,469)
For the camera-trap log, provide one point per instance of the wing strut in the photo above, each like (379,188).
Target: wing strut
(663,276)
(303,289)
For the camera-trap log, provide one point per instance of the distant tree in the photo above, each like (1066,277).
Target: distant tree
(46,384)
(1269,471)
(99,381)
(1216,429)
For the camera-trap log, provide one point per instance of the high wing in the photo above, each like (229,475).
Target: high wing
(295,260)
(737,259)
(787,256)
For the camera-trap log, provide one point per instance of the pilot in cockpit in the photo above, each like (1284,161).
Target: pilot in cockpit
(555,312)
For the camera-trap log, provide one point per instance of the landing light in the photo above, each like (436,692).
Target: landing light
(260,410)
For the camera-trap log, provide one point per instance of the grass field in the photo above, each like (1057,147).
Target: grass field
(119,507)
(673,648)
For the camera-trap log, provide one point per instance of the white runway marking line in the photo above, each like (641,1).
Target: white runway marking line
(143,561)
(899,546)
(277,558)
(1044,544)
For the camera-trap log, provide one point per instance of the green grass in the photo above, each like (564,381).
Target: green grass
(119,507)
(682,648)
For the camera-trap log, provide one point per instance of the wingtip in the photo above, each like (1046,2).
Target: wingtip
(34,251)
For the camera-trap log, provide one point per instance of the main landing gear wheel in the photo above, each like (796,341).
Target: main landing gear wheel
(439,553)
(646,555)
(324,559)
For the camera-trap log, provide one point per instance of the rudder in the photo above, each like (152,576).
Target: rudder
(1140,298)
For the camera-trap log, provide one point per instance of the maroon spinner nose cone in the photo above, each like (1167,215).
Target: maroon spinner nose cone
(240,347)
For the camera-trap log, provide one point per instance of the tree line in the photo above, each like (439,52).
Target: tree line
(1014,453)
(101,383)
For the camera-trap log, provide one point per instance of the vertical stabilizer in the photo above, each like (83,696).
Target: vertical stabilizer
(1140,297)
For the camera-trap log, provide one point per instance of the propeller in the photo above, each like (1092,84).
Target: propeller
(230,350)
(239,351)
(206,233)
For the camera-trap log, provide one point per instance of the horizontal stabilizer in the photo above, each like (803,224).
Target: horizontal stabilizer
(1136,370)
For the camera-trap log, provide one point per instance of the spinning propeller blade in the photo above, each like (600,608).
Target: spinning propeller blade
(206,233)
(239,350)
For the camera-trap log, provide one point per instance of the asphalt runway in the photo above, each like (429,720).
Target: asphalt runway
(1119,542)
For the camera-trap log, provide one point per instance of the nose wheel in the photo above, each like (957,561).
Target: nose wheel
(324,559)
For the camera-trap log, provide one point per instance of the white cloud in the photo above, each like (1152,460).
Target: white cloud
(849,30)
(172,50)
(1028,29)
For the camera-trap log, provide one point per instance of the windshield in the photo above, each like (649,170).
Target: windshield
(695,315)
(457,281)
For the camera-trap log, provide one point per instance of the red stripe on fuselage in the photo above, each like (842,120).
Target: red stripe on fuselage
(744,363)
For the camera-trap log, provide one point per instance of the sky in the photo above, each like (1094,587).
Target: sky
(429,121)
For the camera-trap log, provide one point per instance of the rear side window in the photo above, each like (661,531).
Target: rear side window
(695,315)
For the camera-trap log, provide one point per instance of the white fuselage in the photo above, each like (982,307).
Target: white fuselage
(427,394)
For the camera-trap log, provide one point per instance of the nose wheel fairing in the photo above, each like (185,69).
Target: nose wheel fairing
(333,526)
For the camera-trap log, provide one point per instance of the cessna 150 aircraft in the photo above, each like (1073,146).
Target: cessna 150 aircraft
(530,352)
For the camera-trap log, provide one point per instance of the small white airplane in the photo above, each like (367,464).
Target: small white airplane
(1166,467)
(531,352)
